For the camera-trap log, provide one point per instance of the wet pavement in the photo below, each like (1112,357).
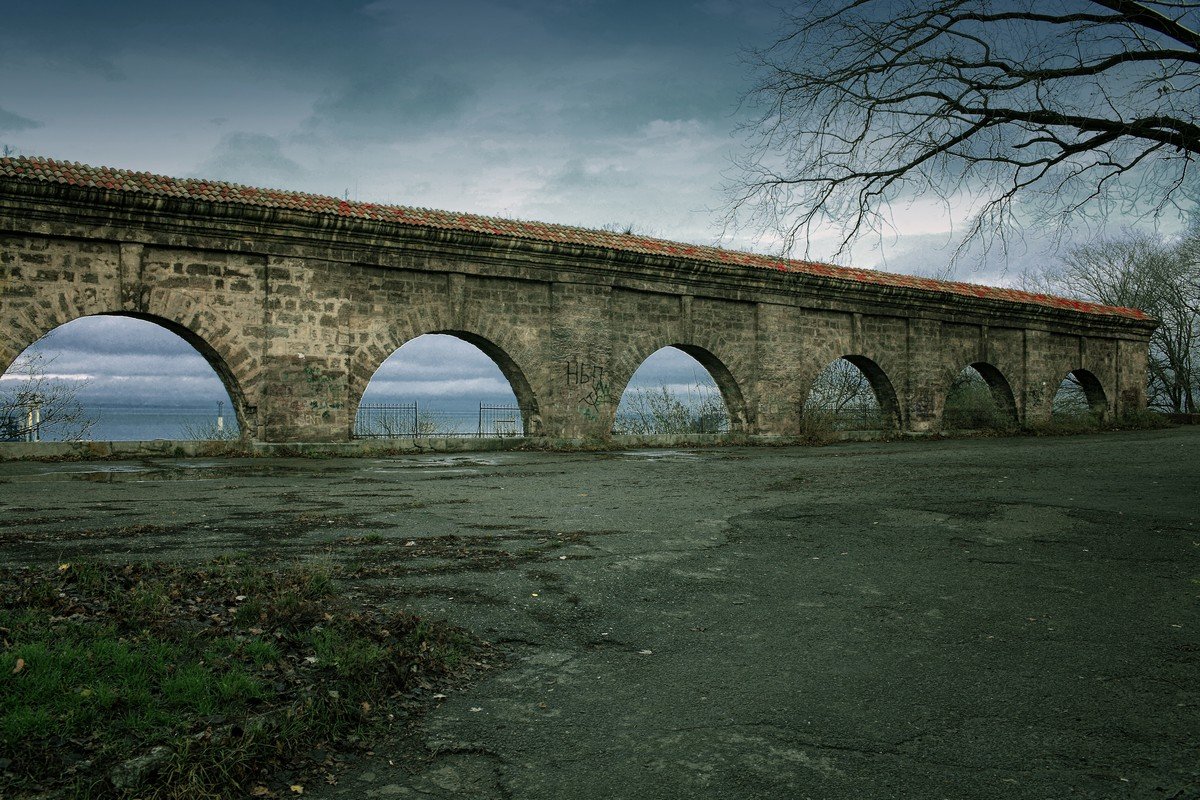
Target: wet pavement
(1007,618)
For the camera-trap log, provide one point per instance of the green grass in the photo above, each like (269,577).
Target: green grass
(158,682)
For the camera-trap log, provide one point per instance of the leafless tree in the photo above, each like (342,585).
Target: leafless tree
(34,402)
(1017,109)
(701,409)
(842,398)
(1155,274)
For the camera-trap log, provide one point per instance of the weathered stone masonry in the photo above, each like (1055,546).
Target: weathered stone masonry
(296,300)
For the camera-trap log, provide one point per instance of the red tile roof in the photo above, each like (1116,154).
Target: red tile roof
(51,171)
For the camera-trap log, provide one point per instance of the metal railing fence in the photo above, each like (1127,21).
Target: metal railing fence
(408,420)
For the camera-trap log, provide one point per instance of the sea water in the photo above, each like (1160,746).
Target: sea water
(121,423)
(144,423)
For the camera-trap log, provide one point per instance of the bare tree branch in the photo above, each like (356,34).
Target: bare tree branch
(35,403)
(1058,109)
(1159,276)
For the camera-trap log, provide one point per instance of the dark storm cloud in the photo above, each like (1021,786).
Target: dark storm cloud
(81,28)
(251,158)
(436,365)
(117,360)
(673,368)
(115,353)
(11,122)
(434,357)
(584,68)
(388,106)
(581,111)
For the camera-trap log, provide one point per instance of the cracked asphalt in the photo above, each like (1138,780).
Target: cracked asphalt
(986,618)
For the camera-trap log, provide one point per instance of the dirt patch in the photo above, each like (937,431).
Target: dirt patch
(1007,618)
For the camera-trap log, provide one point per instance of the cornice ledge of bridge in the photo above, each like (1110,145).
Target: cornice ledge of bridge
(263,224)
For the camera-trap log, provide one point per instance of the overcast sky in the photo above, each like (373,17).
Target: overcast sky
(587,112)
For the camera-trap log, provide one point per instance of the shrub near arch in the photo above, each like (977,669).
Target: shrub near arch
(979,398)
(852,392)
(703,407)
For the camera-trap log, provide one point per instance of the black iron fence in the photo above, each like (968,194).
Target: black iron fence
(408,420)
(500,421)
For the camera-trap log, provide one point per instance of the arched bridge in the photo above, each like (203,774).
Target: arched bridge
(296,299)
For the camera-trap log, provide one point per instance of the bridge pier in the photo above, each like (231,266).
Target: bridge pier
(304,399)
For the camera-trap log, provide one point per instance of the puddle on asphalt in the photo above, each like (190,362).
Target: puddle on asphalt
(206,470)
(443,465)
(451,461)
(152,472)
(97,468)
(660,455)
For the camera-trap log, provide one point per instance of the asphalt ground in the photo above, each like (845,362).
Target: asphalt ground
(976,618)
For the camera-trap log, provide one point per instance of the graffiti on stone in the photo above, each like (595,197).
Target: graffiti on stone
(590,381)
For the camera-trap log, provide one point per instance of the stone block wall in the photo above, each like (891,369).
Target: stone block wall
(296,316)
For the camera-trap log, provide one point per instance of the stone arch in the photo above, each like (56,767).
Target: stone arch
(1093,390)
(1002,392)
(197,318)
(200,328)
(25,323)
(378,352)
(976,396)
(727,384)
(881,386)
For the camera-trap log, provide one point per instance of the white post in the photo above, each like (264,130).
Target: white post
(35,419)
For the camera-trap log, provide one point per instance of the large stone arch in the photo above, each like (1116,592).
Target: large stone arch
(729,386)
(367,361)
(193,322)
(1100,393)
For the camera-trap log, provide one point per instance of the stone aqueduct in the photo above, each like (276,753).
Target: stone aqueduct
(296,299)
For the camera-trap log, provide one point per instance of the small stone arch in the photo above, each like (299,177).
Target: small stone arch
(1002,392)
(977,396)
(727,384)
(1093,390)
(881,385)
(531,417)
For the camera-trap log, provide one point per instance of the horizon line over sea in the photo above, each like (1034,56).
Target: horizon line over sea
(117,422)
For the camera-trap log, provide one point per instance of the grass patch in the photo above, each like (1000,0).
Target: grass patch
(1083,422)
(158,681)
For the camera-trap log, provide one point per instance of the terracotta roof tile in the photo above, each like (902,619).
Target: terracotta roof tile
(73,173)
